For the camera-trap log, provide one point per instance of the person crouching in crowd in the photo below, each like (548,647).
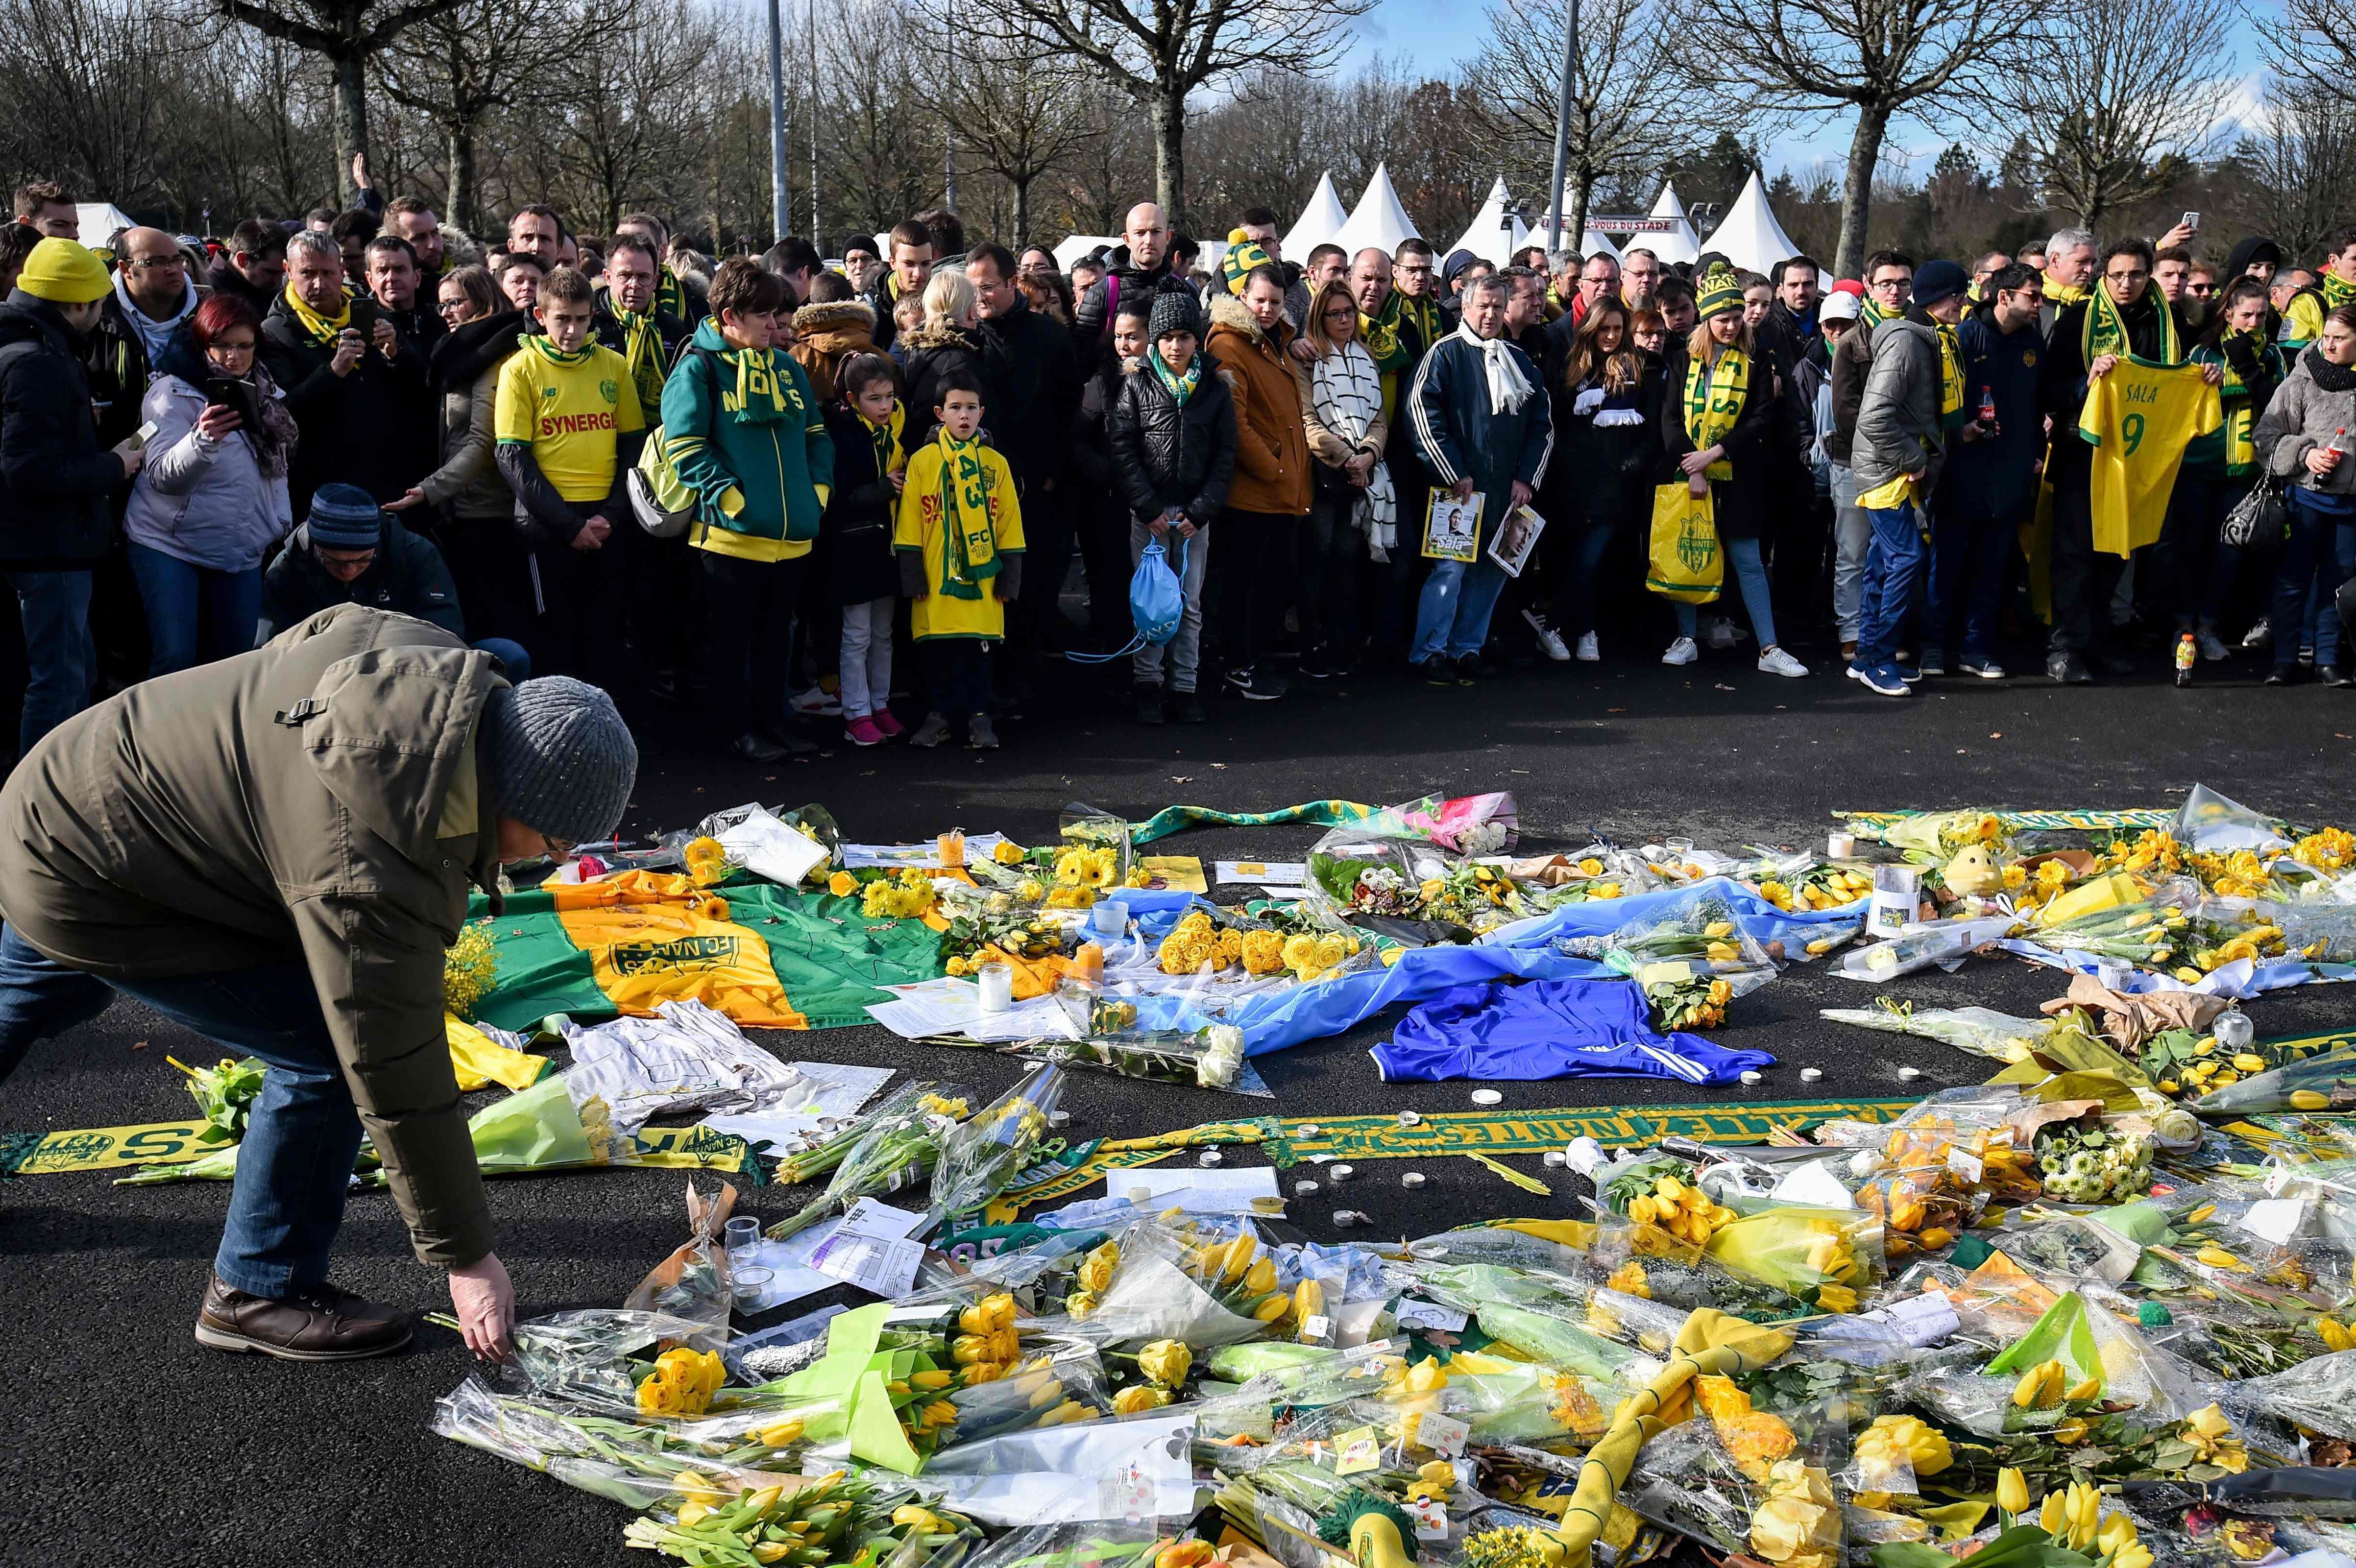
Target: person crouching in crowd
(211,498)
(870,468)
(959,543)
(349,553)
(1172,431)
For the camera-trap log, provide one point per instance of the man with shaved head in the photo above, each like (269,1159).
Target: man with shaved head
(153,296)
(1137,270)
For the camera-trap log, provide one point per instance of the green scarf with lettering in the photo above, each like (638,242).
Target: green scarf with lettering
(2106,328)
(764,393)
(1714,399)
(968,540)
(642,352)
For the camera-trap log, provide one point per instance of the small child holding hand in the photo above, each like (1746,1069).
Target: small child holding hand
(960,550)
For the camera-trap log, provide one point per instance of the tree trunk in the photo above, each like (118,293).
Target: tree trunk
(461,198)
(1022,210)
(351,121)
(1169,109)
(1857,190)
(1583,186)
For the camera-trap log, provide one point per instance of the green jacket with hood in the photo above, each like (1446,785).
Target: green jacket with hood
(761,484)
(320,800)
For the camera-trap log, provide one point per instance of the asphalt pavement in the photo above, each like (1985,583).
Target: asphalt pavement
(130,1442)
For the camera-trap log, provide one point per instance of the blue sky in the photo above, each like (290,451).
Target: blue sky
(1437,37)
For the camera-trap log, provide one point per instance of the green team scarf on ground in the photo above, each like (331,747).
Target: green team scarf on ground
(1714,399)
(969,539)
(1315,813)
(1180,388)
(1870,825)
(642,352)
(2106,329)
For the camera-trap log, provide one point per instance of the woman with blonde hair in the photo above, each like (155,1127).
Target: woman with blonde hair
(1721,393)
(1353,510)
(950,340)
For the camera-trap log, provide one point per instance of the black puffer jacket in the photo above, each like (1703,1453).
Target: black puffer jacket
(1164,455)
(1123,280)
(55,476)
(408,577)
(932,353)
(1041,379)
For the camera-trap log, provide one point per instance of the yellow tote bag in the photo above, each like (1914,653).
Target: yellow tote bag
(1687,563)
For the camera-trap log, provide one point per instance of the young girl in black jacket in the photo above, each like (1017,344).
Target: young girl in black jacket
(1172,431)
(867,425)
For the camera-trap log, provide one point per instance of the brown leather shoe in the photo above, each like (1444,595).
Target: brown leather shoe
(325,1324)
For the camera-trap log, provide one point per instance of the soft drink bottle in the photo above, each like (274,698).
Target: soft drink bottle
(2186,651)
(1988,407)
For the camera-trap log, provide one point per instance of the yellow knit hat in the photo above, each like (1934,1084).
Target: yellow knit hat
(64,273)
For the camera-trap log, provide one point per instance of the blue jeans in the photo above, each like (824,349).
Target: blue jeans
(195,613)
(2317,556)
(304,1132)
(59,653)
(1752,574)
(511,654)
(1967,577)
(1894,564)
(1453,617)
(1586,561)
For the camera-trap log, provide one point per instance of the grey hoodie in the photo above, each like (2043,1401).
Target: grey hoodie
(1897,428)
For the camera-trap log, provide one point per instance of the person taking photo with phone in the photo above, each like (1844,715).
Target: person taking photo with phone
(212,497)
(358,398)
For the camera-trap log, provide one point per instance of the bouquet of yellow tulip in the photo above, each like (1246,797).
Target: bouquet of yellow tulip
(981,1156)
(1825,1257)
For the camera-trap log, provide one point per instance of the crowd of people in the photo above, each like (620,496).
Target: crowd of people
(752,484)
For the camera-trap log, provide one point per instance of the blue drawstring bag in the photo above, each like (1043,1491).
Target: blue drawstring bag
(1157,601)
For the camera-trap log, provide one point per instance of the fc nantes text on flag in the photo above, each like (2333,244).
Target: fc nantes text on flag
(2139,419)
(764,956)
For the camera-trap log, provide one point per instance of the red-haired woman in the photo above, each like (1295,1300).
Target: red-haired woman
(211,498)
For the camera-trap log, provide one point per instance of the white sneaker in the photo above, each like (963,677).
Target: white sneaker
(1589,653)
(1681,651)
(1548,638)
(1720,634)
(818,702)
(1776,661)
(2212,647)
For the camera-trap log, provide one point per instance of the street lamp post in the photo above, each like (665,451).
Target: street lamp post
(1562,129)
(782,219)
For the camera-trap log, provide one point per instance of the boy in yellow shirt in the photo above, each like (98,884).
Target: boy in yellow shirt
(568,427)
(959,543)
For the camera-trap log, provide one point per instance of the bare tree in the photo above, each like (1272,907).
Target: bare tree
(90,89)
(348,32)
(1159,51)
(2312,46)
(624,134)
(1887,59)
(884,157)
(2292,171)
(2115,102)
(1624,119)
(1014,115)
(455,69)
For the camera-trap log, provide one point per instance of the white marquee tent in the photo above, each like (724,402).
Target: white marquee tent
(1749,236)
(1379,221)
(99,219)
(1318,221)
(1075,246)
(1682,244)
(1486,236)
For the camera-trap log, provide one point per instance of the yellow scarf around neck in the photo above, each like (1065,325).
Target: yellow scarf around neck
(1714,399)
(322,329)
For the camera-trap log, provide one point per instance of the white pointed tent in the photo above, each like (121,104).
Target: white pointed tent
(1682,244)
(1075,246)
(1749,237)
(1486,236)
(1318,221)
(1379,221)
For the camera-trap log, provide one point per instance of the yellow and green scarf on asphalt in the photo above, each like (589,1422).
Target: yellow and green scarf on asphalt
(322,328)
(1713,403)
(2106,328)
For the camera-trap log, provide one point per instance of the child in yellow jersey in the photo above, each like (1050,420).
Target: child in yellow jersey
(959,544)
(568,428)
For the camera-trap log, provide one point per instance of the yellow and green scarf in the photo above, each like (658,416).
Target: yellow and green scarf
(2241,412)
(1424,314)
(642,352)
(1951,379)
(322,328)
(885,437)
(542,344)
(764,393)
(968,540)
(1714,398)
(1381,337)
(2337,291)
(2106,329)
(1180,388)
(1868,316)
(2063,296)
(670,295)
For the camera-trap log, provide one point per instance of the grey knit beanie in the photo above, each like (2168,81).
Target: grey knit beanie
(561,761)
(1172,312)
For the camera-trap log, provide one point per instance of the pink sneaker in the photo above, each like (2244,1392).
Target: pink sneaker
(864,731)
(882,719)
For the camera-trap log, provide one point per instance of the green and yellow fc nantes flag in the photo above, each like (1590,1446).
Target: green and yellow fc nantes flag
(766,957)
